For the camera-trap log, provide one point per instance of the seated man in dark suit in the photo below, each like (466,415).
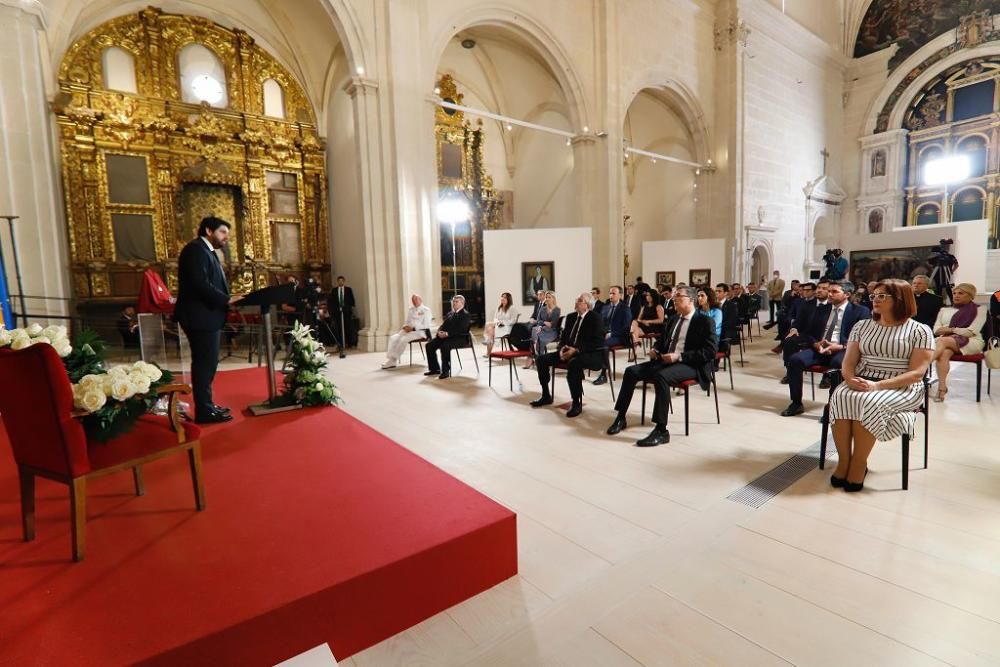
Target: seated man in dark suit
(633,300)
(128,327)
(788,301)
(453,332)
(686,351)
(598,304)
(581,347)
(928,303)
(617,324)
(825,339)
(730,314)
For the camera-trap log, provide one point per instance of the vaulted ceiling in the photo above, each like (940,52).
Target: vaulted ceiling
(910,23)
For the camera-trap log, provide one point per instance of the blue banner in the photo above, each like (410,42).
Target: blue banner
(6,316)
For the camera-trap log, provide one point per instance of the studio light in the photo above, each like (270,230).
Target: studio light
(206,89)
(453,210)
(945,170)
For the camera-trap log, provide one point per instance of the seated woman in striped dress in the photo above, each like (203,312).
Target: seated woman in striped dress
(886,359)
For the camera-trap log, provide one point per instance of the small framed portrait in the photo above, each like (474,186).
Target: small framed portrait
(666,278)
(700,277)
(535,277)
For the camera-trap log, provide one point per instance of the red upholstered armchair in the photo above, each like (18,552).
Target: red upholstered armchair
(36,404)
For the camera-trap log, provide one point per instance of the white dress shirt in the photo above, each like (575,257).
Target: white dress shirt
(684,324)
(836,314)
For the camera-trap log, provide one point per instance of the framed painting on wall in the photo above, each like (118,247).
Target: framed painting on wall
(902,263)
(700,277)
(666,278)
(536,276)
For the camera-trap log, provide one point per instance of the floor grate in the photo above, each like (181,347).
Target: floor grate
(779,478)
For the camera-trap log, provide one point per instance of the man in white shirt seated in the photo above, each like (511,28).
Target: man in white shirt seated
(417,326)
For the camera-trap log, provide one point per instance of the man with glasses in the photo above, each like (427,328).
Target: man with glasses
(824,340)
(581,347)
(453,333)
(685,351)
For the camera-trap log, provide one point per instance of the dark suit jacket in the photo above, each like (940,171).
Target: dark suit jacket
(788,301)
(590,338)
(456,325)
(802,313)
(816,329)
(333,301)
(635,305)
(700,345)
(619,326)
(928,307)
(730,321)
(202,290)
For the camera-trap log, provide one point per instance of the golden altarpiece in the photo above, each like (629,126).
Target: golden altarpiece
(142,168)
(462,179)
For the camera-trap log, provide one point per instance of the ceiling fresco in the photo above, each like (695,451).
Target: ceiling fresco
(913,23)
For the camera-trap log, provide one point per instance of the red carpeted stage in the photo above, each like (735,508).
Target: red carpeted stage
(317,529)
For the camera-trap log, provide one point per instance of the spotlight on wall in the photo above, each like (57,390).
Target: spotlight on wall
(453,210)
(207,89)
(509,127)
(945,170)
(586,129)
(360,71)
(468,43)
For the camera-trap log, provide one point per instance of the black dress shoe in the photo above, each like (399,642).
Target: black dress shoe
(618,425)
(223,410)
(793,409)
(658,436)
(444,375)
(213,418)
(837,482)
(854,487)
(575,409)
(601,379)
(432,373)
(545,399)
(824,383)
(784,380)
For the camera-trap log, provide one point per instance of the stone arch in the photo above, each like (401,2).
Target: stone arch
(679,99)
(761,260)
(535,34)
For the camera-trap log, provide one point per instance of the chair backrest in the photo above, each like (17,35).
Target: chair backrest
(36,404)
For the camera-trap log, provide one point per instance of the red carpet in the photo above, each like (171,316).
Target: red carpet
(317,529)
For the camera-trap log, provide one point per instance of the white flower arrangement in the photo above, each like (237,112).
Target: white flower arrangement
(120,383)
(35,334)
(305,381)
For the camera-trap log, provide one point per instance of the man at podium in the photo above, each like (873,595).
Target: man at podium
(202,303)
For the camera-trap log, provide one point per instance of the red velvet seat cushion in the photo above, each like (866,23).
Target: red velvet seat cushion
(720,355)
(150,434)
(684,383)
(817,368)
(971,358)
(510,354)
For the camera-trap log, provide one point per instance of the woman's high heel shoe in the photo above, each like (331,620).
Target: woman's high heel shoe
(837,482)
(854,487)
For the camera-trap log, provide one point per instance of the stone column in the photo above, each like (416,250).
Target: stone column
(30,186)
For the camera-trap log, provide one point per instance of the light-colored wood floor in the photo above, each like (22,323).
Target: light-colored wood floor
(634,556)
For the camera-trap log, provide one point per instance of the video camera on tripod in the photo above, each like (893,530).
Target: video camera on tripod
(945,264)
(836,268)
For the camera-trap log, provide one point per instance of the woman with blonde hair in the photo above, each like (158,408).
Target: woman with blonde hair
(547,328)
(958,330)
(883,369)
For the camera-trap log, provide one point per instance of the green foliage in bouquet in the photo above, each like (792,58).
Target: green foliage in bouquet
(115,399)
(87,357)
(305,382)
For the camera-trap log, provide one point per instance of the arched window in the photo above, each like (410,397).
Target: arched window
(928,154)
(968,205)
(974,148)
(118,67)
(875,221)
(203,78)
(929,214)
(274,99)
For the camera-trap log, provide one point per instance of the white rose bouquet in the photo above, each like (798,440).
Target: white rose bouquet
(114,399)
(305,381)
(35,334)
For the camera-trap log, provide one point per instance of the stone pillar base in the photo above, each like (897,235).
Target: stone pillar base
(370,340)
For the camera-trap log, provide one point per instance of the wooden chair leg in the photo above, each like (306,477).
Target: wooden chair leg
(78,516)
(140,483)
(27,479)
(194,459)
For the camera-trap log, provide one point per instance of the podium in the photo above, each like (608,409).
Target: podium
(266,298)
